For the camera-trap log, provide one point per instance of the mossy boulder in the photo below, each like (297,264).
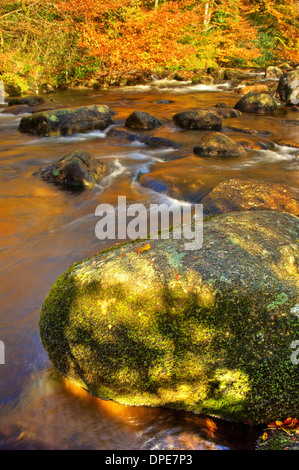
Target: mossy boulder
(288,87)
(142,120)
(67,121)
(216,144)
(244,195)
(257,103)
(203,79)
(273,73)
(75,170)
(198,119)
(206,330)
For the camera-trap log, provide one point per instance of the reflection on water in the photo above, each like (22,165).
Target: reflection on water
(44,229)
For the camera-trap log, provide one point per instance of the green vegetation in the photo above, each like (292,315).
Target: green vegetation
(68,43)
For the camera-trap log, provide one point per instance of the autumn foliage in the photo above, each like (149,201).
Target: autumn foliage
(177,34)
(73,39)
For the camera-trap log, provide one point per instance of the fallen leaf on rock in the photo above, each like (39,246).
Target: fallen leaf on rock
(141,249)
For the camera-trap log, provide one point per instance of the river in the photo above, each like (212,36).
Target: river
(45,229)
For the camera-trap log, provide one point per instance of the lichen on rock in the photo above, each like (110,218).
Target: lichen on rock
(189,330)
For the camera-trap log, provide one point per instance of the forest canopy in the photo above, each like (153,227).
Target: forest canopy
(69,41)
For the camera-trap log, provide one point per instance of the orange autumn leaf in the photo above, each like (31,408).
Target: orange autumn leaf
(142,249)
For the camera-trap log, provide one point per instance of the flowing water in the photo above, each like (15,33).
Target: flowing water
(45,229)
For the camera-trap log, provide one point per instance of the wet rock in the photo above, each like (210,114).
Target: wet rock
(198,120)
(164,101)
(243,90)
(243,195)
(46,88)
(12,89)
(28,100)
(204,79)
(67,121)
(257,103)
(124,134)
(18,109)
(40,108)
(205,330)
(142,120)
(255,145)
(224,111)
(158,142)
(289,143)
(218,145)
(75,170)
(288,87)
(273,73)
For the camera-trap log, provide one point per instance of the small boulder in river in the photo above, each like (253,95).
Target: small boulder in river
(76,170)
(257,103)
(216,144)
(273,73)
(28,100)
(243,195)
(161,142)
(288,87)
(208,331)
(18,109)
(142,120)
(67,121)
(198,120)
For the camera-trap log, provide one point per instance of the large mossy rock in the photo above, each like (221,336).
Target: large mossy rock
(243,195)
(75,170)
(207,330)
(257,103)
(216,144)
(198,120)
(67,121)
(288,87)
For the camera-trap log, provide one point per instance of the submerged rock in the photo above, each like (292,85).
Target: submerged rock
(243,90)
(244,195)
(198,120)
(28,100)
(206,330)
(216,144)
(257,103)
(123,134)
(161,142)
(18,109)
(67,121)
(142,120)
(75,170)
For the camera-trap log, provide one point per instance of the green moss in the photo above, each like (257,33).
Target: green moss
(132,332)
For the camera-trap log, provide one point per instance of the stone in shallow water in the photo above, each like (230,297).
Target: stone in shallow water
(216,144)
(243,195)
(198,120)
(75,170)
(142,120)
(67,121)
(257,103)
(206,330)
